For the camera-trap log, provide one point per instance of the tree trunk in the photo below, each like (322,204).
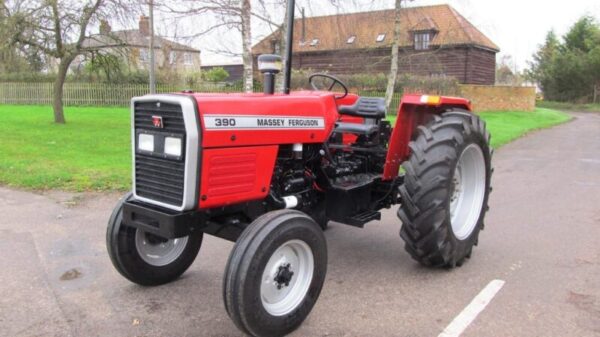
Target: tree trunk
(393,75)
(57,93)
(247,45)
(282,44)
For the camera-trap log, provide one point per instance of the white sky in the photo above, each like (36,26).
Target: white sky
(516,26)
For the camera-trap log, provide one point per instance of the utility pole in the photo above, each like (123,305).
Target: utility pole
(151,65)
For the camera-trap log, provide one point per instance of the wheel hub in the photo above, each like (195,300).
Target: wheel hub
(284,276)
(157,251)
(468,192)
(287,277)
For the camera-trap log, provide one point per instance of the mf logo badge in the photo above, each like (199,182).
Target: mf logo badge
(157,122)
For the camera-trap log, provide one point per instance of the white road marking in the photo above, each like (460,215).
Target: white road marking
(470,312)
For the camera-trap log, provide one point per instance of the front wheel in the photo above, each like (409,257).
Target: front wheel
(275,273)
(446,188)
(144,258)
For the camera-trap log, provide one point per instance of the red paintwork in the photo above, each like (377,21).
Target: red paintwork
(411,114)
(236,174)
(237,165)
(303,103)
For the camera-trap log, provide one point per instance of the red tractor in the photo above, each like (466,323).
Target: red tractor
(268,171)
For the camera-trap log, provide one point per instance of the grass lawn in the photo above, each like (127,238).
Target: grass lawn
(569,106)
(506,126)
(92,151)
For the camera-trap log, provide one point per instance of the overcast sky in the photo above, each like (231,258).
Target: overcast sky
(516,26)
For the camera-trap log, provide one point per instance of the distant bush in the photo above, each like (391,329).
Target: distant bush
(217,74)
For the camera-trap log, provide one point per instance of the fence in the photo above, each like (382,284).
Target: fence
(93,94)
(101,94)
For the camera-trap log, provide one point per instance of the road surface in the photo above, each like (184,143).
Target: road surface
(542,238)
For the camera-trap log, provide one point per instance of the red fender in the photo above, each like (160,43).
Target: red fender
(412,112)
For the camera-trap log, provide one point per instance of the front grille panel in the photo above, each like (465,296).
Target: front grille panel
(157,178)
(171,114)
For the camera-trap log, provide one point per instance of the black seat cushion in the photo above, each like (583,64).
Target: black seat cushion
(358,129)
(367,107)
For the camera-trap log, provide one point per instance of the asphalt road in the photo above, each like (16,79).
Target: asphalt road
(542,238)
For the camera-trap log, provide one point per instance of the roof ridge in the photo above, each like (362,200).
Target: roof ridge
(374,11)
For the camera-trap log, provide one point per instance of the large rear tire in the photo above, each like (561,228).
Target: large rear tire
(144,258)
(446,188)
(275,273)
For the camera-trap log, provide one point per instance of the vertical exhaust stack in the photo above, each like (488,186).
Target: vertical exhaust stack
(270,66)
(291,8)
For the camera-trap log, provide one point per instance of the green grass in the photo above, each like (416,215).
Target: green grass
(505,126)
(92,151)
(568,106)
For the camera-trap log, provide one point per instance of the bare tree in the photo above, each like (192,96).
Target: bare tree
(246,27)
(228,14)
(56,29)
(393,75)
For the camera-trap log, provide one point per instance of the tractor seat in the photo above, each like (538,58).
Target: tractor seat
(354,128)
(366,107)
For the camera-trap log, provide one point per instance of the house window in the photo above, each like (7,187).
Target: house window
(314,42)
(172,57)
(422,41)
(143,55)
(187,59)
(351,39)
(381,37)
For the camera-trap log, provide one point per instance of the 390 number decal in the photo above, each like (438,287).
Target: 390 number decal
(224,121)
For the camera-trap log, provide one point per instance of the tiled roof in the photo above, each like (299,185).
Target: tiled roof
(333,31)
(132,38)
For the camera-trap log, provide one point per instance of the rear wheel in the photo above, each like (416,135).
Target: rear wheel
(275,273)
(446,189)
(147,259)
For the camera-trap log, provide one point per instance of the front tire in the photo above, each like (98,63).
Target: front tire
(275,273)
(446,188)
(144,258)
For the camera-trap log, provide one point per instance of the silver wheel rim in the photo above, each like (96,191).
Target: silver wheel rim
(469,191)
(278,296)
(157,252)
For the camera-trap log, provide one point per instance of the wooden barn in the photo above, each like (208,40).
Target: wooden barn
(435,41)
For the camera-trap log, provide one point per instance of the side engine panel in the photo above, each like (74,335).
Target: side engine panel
(236,174)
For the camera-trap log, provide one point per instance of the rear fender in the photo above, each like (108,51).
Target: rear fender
(415,110)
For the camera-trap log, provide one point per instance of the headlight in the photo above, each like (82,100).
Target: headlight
(173,146)
(146,142)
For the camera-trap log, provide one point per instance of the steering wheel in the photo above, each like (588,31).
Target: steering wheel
(334,80)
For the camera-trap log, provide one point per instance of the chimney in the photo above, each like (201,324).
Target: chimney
(144,25)
(105,28)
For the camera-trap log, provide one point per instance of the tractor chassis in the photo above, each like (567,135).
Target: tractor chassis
(230,221)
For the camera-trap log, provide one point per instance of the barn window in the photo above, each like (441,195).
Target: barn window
(188,60)
(172,57)
(143,56)
(422,40)
(314,42)
(381,37)
(351,39)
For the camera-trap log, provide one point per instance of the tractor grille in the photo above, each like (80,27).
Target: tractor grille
(158,178)
(171,114)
